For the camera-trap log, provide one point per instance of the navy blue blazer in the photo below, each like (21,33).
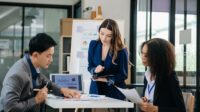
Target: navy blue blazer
(169,98)
(118,70)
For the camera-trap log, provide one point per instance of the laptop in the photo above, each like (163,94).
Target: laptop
(72,81)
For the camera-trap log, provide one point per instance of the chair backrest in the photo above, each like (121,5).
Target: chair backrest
(189,101)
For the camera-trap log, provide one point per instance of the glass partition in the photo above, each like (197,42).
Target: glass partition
(10,37)
(36,20)
(46,20)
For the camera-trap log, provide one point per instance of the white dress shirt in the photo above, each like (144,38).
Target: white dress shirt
(149,91)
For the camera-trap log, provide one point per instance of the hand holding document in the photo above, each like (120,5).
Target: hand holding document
(131,94)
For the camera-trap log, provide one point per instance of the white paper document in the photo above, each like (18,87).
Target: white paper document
(84,97)
(131,94)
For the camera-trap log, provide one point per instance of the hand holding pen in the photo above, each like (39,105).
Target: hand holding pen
(37,89)
(46,84)
(145,99)
(41,95)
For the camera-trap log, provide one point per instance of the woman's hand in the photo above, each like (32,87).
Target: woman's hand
(148,107)
(99,69)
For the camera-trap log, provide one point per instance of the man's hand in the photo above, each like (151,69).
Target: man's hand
(69,93)
(41,95)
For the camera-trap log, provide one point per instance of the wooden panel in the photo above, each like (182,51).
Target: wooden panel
(128,80)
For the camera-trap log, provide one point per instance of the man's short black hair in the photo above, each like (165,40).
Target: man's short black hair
(40,43)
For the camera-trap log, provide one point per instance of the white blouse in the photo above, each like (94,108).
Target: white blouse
(149,91)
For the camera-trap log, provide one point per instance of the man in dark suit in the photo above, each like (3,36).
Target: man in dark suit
(24,77)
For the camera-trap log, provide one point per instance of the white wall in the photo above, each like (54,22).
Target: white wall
(54,2)
(114,9)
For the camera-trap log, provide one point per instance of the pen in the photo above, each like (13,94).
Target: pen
(39,89)
(36,89)
(94,95)
(145,99)
(46,84)
(148,100)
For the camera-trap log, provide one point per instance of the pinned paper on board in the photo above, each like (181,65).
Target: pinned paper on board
(185,36)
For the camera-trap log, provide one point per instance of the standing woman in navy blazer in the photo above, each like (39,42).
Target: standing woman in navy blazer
(108,61)
(161,86)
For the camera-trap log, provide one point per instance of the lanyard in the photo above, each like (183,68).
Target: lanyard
(150,88)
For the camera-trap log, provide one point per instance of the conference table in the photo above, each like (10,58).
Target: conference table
(87,101)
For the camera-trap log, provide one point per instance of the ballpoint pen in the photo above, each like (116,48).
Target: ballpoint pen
(47,84)
(36,89)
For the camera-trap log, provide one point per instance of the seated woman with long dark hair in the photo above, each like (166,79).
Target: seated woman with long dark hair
(161,86)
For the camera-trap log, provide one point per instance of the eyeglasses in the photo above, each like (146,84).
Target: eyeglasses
(144,54)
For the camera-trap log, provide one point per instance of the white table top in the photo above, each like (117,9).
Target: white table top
(104,102)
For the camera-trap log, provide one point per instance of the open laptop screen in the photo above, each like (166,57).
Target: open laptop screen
(72,81)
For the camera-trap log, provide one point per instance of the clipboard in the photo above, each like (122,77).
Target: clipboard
(101,76)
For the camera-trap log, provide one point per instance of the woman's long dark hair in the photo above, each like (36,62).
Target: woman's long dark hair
(116,42)
(161,58)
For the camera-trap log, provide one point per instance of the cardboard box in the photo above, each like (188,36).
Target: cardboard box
(66,27)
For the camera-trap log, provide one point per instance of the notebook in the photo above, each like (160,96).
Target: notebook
(72,81)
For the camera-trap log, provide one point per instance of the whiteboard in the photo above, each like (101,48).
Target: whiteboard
(83,31)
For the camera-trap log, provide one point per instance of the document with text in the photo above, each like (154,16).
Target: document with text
(131,94)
